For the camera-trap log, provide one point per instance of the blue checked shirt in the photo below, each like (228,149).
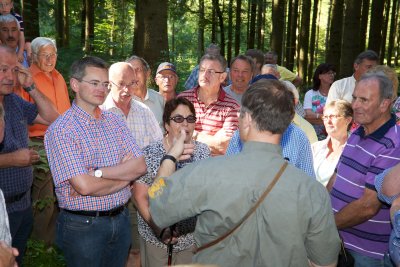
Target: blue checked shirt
(16,180)
(77,143)
(140,120)
(295,148)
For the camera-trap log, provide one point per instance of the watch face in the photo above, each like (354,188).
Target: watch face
(98,173)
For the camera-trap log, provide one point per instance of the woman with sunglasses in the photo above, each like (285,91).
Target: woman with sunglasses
(315,99)
(337,118)
(179,114)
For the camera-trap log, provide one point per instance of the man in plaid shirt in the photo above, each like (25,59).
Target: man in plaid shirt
(93,159)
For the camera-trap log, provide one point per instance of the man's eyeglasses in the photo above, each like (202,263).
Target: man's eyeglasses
(48,56)
(331,117)
(97,84)
(180,118)
(122,86)
(165,77)
(210,71)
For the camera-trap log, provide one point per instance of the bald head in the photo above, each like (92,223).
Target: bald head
(270,69)
(122,81)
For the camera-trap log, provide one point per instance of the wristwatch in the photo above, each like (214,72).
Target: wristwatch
(29,88)
(98,173)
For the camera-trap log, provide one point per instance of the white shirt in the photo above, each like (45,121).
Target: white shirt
(342,89)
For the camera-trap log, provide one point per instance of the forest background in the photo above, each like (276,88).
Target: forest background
(304,33)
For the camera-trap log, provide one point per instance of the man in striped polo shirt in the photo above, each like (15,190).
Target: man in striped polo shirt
(363,220)
(216,111)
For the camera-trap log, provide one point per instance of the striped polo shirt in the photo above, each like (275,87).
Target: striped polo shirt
(221,114)
(365,156)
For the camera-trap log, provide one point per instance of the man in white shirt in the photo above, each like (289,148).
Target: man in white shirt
(343,88)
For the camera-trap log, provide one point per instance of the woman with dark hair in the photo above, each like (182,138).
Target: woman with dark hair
(315,99)
(179,114)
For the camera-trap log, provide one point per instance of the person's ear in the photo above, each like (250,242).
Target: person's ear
(73,83)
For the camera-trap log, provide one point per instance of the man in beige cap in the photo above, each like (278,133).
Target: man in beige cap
(166,80)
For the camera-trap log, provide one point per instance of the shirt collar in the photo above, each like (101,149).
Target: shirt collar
(84,116)
(221,93)
(253,146)
(381,131)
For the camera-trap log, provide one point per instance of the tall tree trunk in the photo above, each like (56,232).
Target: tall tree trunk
(259,33)
(334,46)
(317,47)
(59,22)
(152,38)
(112,34)
(351,26)
(221,26)
(200,30)
(291,33)
(304,38)
(89,26)
(214,24)
(364,24)
(328,23)
(83,23)
(252,31)
(230,31)
(66,23)
(397,38)
(278,26)
(375,30)
(312,40)
(384,31)
(237,26)
(392,33)
(30,12)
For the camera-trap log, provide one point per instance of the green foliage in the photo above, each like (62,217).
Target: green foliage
(38,254)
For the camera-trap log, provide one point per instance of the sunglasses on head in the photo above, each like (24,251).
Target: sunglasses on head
(180,119)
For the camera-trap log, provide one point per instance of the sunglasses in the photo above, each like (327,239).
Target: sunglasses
(180,119)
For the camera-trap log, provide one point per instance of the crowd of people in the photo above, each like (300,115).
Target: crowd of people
(233,170)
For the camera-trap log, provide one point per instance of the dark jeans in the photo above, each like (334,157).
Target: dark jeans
(364,261)
(94,241)
(21,223)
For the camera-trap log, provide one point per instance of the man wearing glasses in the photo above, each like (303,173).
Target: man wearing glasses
(16,158)
(93,158)
(140,120)
(216,110)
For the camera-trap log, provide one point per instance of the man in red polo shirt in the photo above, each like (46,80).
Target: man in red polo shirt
(216,111)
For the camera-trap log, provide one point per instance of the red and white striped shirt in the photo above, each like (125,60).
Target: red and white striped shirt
(219,115)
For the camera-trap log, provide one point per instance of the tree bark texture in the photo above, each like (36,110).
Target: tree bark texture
(375,30)
(392,32)
(151,37)
(237,26)
(291,33)
(304,38)
(364,24)
(278,26)
(334,46)
(30,12)
(351,31)
(89,26)
(313,44)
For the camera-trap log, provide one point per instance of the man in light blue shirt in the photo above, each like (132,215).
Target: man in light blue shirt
(295,148)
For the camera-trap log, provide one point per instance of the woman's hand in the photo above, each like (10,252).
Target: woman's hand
(179,149)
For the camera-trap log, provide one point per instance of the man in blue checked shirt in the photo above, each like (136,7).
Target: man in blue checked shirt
(295,148)
(93,158)
(16,158)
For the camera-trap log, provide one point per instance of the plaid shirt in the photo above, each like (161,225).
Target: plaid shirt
(140,120)
(16,180)
(77,143)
